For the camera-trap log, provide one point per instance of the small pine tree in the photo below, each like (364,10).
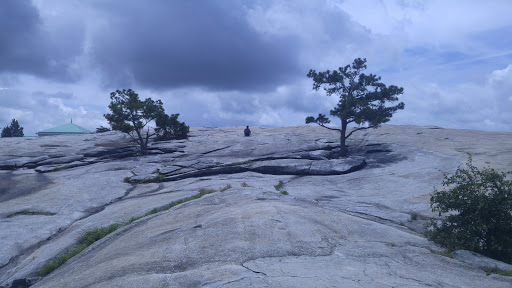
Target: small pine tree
(14,130)
(131,115)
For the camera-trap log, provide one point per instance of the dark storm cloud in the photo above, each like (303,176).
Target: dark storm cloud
(27,47)
(168,44)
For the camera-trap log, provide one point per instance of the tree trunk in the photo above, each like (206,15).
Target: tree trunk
(343,147)
(143,144)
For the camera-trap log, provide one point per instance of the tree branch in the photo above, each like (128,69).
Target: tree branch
(360,128)
(335,129)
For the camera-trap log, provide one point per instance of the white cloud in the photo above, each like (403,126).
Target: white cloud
(467,105)
(499,77)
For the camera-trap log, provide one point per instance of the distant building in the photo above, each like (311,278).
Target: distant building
(66,129)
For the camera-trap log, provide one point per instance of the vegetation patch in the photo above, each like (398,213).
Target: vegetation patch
(244,184)
(414,216)
(445,253)
(225,188)
(86,240)
(127,179)
(284,192)
(91,236)
(28,212)
(201,193)
(279,185)
(497,270)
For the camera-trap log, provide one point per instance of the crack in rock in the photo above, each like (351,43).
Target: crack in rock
(254,271)
(270,169)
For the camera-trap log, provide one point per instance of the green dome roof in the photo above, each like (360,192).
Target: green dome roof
(69,128)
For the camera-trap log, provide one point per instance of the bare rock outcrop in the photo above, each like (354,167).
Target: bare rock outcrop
(289,214)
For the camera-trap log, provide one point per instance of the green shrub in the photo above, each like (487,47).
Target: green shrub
(478,204)
(244,184)
(414,216)
(284,192)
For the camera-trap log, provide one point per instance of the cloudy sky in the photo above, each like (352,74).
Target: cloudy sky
(244,62)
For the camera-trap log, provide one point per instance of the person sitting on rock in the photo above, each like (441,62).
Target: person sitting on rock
(247,132)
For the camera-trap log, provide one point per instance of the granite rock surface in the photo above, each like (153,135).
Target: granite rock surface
(295,216)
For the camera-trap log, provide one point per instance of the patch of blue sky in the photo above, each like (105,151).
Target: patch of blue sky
(498,40)
(447,57)
(434,56)
(450,66)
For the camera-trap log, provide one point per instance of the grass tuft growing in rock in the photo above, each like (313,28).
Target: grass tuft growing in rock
(86,240)
(244,184)
(28,212)
(284,192)
(279,185)
(96,234)
(202,192)
(445,253)
(414,216)
(225,188)
(497,270)
(91,236)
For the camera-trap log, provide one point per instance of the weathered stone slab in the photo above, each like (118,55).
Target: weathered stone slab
(308,167)
(205,163)
(46,168)
(186,164)
(282,167)
(478,260)
(169,169)
(146,169)
(8,165)
(61,160)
